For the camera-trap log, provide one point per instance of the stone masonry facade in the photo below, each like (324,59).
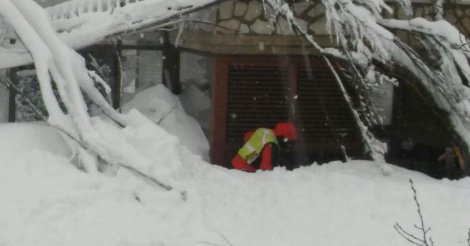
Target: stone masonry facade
(252,17)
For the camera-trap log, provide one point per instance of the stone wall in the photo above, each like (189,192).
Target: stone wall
(457,16)
(250,17)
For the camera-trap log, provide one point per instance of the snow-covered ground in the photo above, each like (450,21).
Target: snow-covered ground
(45,200)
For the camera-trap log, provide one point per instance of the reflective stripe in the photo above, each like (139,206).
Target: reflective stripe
(249,147)
(253,147)
(250,159)
(265,133)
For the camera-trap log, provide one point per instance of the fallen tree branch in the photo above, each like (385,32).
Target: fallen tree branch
(10,85)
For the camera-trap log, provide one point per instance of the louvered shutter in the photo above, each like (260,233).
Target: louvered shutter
(258,96)
(323,115)
(252,92)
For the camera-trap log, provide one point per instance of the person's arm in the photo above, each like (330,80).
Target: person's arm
(240,164)
(267,158)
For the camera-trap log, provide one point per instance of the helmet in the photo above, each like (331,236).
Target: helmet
(286,130)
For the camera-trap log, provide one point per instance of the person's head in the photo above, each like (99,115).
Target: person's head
(286,130)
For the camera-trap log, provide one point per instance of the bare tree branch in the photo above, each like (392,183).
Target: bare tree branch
(425,239)
(408,236)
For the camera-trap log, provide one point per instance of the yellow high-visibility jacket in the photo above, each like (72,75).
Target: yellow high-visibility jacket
(253,147)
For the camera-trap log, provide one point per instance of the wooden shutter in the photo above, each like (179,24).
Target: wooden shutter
(323,115)
(258,91)
(258,96)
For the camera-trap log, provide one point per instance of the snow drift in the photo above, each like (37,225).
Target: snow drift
(163,108)
(47,201)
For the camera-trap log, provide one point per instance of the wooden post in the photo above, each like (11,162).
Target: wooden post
(218,136)
(12,95)
(171,65)
(117,90)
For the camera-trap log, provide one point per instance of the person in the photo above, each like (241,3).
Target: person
(262,146)
(452,161)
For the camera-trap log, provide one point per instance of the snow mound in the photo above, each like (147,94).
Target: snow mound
(26,137)
(47,201)
(197,104)
(163,108)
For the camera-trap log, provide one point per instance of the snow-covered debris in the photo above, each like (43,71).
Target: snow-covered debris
(34,136)
(163,108)
(197,104)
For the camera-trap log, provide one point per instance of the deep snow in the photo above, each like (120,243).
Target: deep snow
(45,200)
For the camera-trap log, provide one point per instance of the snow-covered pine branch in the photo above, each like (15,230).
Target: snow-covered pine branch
(364,39)
(373,147)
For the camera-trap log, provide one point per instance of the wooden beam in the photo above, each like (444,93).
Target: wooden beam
(234,44)
(171,66)
(125,47)
(219,112)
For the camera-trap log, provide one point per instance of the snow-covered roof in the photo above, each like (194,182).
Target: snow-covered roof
(81,23)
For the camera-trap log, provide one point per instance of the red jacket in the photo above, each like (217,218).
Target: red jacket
(266,161)
(283,129)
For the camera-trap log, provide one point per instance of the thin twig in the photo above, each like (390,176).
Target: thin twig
(208,243)
(214,244)
(114,6)
(408,236)
(425,240)
(225,238)
(10,85)
(468,239)
(422,227)
(153,180)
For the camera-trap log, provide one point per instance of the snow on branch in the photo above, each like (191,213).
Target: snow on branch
(374,148)
(81,23)
(364,39)
(57,63)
